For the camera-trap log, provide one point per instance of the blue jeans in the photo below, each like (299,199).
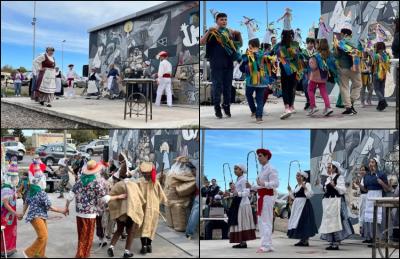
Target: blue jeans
(379,87)
(221,84)
(17,88)
(193,218)
(259,99)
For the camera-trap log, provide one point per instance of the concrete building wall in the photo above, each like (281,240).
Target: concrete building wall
(139,144)
(174,29)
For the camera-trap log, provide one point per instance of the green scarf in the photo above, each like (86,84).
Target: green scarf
(6,185)
(34,189)
(87,178)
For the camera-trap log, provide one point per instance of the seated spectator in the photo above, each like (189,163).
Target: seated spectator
(216,224)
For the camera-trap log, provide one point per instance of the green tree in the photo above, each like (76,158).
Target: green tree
(82,135)
(18,133)
(4,132)
(7,68)
(23,69)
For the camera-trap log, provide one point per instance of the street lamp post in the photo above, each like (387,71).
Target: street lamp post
(62,55)
(34,29)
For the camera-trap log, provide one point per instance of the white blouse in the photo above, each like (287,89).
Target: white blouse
(307,191)
(340,185)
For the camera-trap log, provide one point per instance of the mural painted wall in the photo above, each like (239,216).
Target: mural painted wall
(370,20)
(159,146)
(352,148)
(128,44)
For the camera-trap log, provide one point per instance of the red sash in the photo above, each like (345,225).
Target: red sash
(261,193)
(166,75)
(70,81)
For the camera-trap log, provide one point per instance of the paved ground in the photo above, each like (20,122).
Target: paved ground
(106,113)
(284,248)
(367,117)
(18,117)
(62,240)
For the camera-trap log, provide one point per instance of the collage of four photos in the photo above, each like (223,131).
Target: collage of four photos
(197,129)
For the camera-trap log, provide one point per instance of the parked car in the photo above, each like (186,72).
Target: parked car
(15,146)
(50,154)
(10,153)
(95,146)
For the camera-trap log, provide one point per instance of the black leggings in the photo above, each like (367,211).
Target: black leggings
(129,225)
(288,87)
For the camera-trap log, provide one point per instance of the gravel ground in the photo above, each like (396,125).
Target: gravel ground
(18,117)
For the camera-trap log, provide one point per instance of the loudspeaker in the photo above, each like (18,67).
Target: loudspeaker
(85,70)
(105,153)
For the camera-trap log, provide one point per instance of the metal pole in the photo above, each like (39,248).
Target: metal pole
(247,163)
(201,167)
(65,143)
(62,56)
(267,13)
(34,29)
(204,32)
(230,171)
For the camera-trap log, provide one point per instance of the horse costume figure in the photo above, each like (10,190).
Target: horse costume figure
(252,27)
(270,32)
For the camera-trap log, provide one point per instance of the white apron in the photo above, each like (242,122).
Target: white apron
(361,214)
(92,87)
(48,84)
(369,207)
(58,85)
(109,82)
(331,221)
(297,209)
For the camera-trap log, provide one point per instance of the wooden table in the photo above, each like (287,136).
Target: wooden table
(387,203)
(145,82)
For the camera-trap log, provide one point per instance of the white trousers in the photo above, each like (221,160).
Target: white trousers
(70,92)
(164,84)
(265,222)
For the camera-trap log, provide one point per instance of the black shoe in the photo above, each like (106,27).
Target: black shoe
(149,249)
(102,244)
(41,103)
(110,252)
(353,110)
(123,237)
(306,106)
(367,241)
(143,251)
(227,110)
(240,246)
(218,112)
(301,244)
(332,248)
(370,245)
(348,111)
(128,255)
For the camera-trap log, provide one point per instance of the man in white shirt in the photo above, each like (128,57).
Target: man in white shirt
(164,79)
(71,76)
(267,182)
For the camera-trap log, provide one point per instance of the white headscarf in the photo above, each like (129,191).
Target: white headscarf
(243,167)
(303,174)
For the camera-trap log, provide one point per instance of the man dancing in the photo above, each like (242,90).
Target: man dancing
(267,182)
(222,46)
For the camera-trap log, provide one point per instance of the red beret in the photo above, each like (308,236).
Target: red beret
(163,54)
(265,152)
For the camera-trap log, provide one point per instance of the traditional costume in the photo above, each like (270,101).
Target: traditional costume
(323,30)
(301,223)
(180,187)
(36,172)
(361,210)
(164,79)
(59,88)
(94,83)
(154,196)
(240,217)
(9,210)
(46,78)
(87,192)
(268,176)
(380,67)
(71,76)
(335,225)
(271,32)
(112,84)
(375,190)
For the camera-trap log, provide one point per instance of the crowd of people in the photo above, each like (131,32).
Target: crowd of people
(47,81)
(286,66)
(115,200)
(336,226)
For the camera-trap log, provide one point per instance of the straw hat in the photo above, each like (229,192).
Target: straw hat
(92,167)
(146,167)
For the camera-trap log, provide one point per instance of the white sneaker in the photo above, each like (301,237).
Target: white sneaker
(312,111)
(293,111)
(286,114)
(328,111)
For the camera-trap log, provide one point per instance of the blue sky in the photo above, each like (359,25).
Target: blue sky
(232,146)
(57,21)
(304,14)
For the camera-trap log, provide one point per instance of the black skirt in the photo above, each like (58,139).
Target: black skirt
(306,227)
